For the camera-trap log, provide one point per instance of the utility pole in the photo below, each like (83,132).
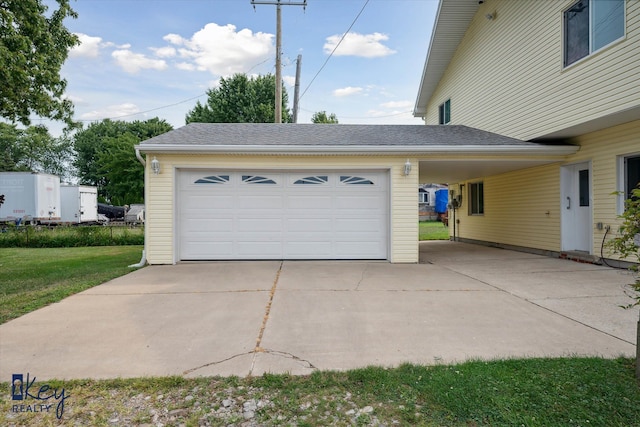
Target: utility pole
(278,3)
(296,92)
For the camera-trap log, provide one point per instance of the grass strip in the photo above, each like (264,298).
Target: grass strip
(432,230)
(34,278)
(530,392)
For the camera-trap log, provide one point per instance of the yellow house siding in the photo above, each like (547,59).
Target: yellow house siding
(507,75)
(520,208)
(161,198)
(603,148)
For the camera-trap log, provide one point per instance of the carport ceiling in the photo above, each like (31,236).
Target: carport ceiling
(451,171)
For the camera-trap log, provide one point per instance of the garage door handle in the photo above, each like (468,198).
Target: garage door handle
(568,202)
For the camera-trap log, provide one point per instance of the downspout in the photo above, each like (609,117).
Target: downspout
(143,260)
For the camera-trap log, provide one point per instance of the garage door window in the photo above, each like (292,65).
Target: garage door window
(349,180)
(215,179)
(320,179)
(255,179)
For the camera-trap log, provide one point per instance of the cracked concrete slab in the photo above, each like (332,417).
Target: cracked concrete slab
(246,318)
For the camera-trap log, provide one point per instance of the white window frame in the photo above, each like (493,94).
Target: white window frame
(423,197)
(591,50)
(622,180)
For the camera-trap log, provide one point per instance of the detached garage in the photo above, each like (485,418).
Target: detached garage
(314,214)
(236,191)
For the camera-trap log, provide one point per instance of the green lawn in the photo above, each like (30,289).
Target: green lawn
(529,392)
(433,230)
(33,278)
(534,392)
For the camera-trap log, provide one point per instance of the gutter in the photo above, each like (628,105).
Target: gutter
(540,150)
(143,259)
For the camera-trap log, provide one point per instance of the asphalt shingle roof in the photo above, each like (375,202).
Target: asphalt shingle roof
(336,135)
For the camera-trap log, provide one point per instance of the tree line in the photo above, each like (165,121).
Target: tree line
(102,154)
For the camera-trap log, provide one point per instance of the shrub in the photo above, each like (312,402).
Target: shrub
(69,236)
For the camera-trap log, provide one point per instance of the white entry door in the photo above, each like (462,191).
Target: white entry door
(576,208)
(282,215)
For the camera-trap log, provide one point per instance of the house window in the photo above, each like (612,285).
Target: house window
(215,179)
(632,175)
(319,179)
(629,178)
(476,198)
(351,180)
(424,197)
(444,112)
(254,179)
(590,25)
(583,187)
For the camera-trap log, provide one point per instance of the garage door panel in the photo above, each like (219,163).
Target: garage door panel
(305,202)
(258,225)
(306,224)
(308,250)
(362,225)
(359,203)
(294,215)
(258,250)
(261,202)
(207,202)
(360,249)
(207,250)
(205,225)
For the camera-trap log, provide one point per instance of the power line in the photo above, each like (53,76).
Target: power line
(334,49)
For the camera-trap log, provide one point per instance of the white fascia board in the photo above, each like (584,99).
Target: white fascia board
(541,150)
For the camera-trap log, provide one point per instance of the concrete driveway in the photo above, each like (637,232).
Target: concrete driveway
(245,318)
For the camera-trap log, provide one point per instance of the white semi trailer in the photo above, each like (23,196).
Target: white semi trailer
(30,197)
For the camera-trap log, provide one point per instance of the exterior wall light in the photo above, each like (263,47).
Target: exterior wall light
(155,166)
(407,168)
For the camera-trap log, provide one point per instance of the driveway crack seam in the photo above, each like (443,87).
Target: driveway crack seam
(362,276)
(284,354)
(258,349)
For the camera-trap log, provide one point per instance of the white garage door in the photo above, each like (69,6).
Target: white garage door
(282,215)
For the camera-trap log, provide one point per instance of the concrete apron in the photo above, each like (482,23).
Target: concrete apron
(246,318)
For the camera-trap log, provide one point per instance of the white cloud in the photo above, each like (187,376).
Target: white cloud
(404,105)
(134,62)
(185,66)
(112,111)
(89,46)
(289,80)
(347,91)
(354,44)
(222,50)
(164,52)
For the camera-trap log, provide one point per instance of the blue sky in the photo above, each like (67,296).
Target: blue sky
(145,58)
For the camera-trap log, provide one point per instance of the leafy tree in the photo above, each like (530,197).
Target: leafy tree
(105,156)
(34,149)
(33,47)
(240,99)
(124,175)
(9,152)
(321,117)
(627,244)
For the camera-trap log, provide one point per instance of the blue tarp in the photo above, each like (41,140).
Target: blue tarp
(442,198)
